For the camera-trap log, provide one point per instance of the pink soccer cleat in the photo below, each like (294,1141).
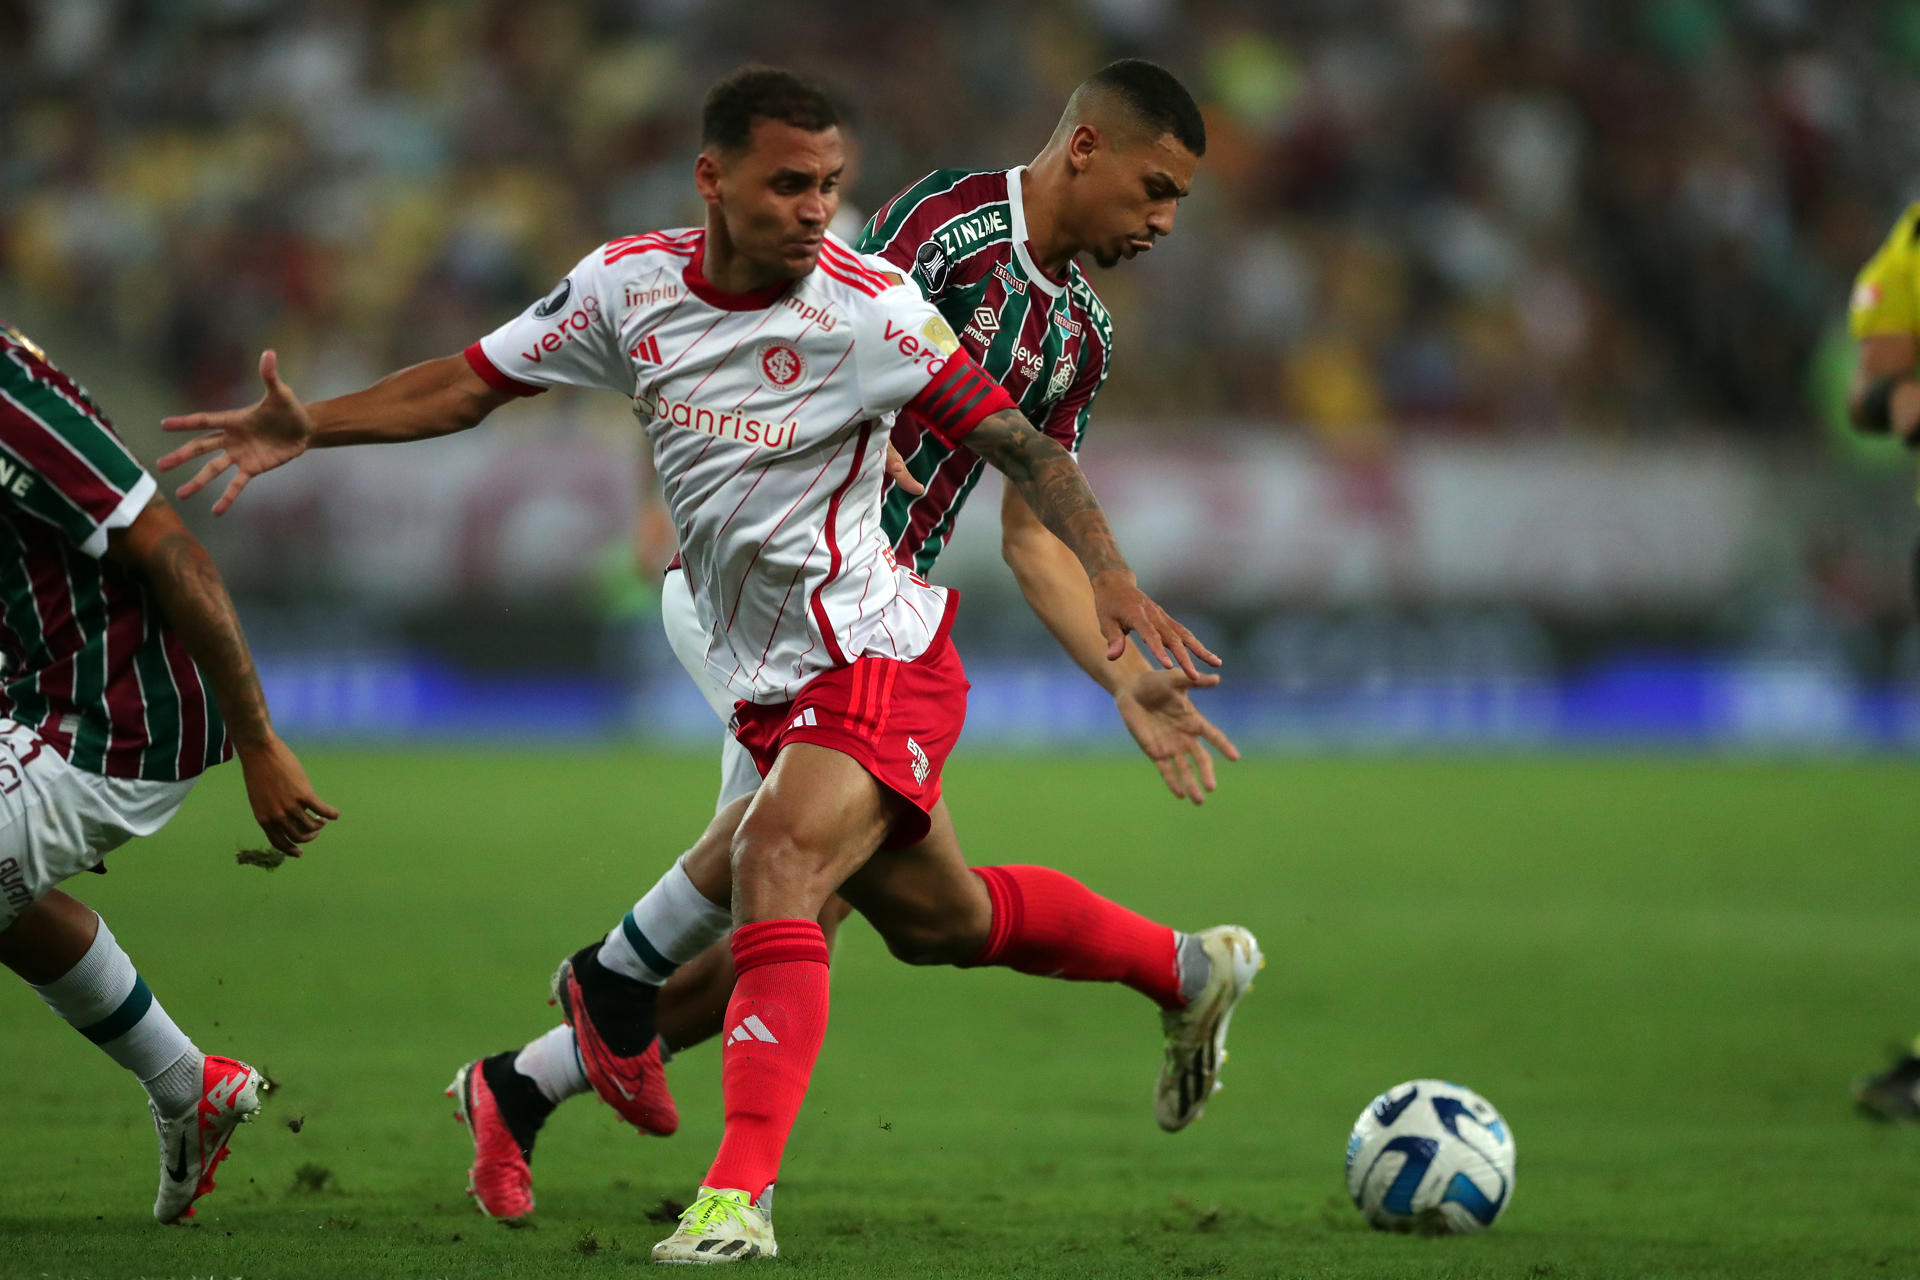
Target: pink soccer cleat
(612,1020)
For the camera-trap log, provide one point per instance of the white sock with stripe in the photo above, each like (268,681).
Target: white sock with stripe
(671,925)
(552,1062)
(105,1000)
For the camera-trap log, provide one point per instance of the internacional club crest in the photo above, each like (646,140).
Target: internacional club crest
(781,364)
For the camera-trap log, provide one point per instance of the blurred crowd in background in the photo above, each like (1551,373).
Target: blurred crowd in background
(1456,216)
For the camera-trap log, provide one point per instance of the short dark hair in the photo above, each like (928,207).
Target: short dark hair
(1156,97)
(761,93)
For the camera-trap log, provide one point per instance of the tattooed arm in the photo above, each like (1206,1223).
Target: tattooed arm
(183,579)
(1049,480)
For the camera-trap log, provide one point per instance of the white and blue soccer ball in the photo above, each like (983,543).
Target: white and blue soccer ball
(1431,1157)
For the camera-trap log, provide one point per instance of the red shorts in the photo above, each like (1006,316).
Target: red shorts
(898,720)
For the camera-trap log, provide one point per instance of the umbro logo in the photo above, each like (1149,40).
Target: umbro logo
(986,319)
(647,349)
(751,1028)
(804,719)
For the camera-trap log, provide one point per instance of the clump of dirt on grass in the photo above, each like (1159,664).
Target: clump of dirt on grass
(311,1179)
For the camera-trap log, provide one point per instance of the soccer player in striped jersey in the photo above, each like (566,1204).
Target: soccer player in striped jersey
(125,676)
(995,252)
(764,357)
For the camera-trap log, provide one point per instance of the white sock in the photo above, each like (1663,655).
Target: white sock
(671,925)
(107,1002)
(552,1062)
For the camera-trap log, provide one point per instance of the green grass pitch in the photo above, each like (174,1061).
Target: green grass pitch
(1663,971)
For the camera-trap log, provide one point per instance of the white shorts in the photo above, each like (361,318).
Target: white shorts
(738,776)
(57,821)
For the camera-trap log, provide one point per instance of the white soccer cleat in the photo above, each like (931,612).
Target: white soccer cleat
(1197,1034)
(721,1226)
(193,1145)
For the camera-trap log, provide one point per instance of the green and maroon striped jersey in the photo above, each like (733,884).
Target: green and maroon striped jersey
(90,663)
(962,238)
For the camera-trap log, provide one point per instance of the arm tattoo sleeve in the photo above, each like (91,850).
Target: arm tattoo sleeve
(184,579)
(1053,485)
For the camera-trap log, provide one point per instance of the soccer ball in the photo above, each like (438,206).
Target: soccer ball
(1431,1157)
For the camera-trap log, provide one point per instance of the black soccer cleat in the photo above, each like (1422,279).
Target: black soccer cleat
(1894,1094)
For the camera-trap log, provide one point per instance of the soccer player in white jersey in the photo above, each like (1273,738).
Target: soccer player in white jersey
(994,251)
(764,357)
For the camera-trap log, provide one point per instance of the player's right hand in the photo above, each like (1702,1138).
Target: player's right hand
(270,433)
(284,803)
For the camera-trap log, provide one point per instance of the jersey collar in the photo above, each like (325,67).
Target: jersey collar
(1017,215)
(752,300)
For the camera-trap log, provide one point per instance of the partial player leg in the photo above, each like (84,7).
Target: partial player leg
(72,961)
(607,1043)
(816,819)
(693,1004)
(933,909)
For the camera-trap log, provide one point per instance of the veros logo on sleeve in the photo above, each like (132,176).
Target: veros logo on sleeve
(555,300)
(931,265)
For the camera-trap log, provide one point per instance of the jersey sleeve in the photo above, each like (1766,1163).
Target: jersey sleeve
(568,338)
(59,458)
(1884,301)
(899,230)
(909,358)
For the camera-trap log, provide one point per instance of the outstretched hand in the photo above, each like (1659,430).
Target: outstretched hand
(1124,609)
(1163,720)
(273,431)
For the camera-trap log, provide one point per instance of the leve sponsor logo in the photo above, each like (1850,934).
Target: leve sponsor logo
(727,425)
(14,478)
(570,326)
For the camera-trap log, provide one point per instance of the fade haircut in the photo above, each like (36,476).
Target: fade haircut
(1151,95)
(761,93)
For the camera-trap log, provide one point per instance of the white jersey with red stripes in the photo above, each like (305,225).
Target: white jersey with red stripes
(765,412)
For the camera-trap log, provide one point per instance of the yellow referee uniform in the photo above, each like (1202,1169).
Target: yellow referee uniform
(1886,293)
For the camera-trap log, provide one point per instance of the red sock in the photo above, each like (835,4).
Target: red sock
(775,1023)
(1048,923)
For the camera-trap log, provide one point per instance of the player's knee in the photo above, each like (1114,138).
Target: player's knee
(776,876)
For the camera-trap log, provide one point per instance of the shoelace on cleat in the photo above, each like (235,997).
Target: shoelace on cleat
(714,1209)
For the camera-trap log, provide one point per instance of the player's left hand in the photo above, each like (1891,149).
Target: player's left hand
(1163,720)
(1124,609)
(898,473)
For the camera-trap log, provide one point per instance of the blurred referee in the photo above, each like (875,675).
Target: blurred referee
(1885,400)
(1885,317)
